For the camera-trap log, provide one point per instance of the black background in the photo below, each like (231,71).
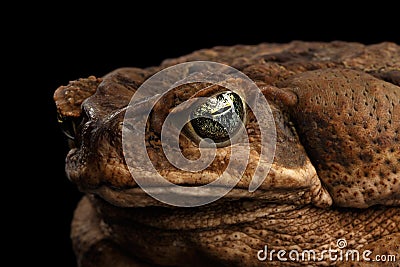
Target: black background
(67,43)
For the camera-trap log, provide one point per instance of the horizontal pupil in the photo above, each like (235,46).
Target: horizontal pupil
(220,111)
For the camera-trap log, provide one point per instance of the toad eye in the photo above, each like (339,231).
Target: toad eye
(218,118)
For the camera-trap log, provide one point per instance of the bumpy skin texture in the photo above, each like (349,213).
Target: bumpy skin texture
(335,173)
(352,135)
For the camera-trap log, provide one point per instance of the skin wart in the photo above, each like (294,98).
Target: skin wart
(335,174)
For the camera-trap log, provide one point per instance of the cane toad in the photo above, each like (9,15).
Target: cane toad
(335,174)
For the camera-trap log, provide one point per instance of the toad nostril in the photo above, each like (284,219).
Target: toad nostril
(68,125)
(69,101)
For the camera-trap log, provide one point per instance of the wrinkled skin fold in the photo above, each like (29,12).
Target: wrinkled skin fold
(335,175)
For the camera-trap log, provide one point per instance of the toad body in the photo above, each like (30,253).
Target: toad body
(333,184)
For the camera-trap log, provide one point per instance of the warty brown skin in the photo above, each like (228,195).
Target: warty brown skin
(335,174)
